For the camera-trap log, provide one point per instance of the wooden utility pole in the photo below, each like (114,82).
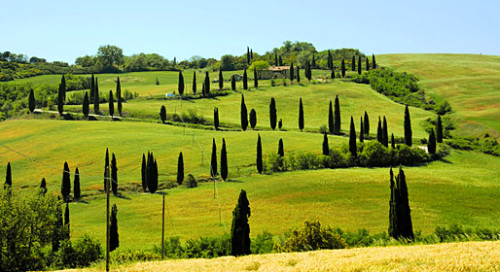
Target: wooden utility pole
(107,217)
(163,229)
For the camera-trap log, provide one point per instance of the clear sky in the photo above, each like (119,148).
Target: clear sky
(64,30)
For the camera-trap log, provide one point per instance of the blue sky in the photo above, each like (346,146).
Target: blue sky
(64,30)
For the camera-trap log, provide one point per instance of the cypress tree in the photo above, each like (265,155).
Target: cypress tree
(342,68)
(111,105)
(223,161)
(367,124)
(272,113)
(280,61)
(359,65)
(245,83)
(408,134)
(361,131)
(66,222)
(63,87)
(308,73)
(330,61)
(144,175)
(213,163)
(431,144)
(336,115)
(60,100)
(243,114)
(255,79)
(281,150)
(119,95)
(152,173)
(385,135)
(207,84)
(248,55)
(393,143)
(240,230)
(66,183)
(31,101)
(374,63)
(367,65)
(326,147)
(85,105)
(301,115)
(163,114)
(253,118)
(280,124)
(8,178)
(180,85)
(332,75)
(216,118)
(221,80)
(114,241)
(157,81)
(96,97)
(114,175)
(43,186)
(76,184)
(276,59)
(233,83)
(352,139)
(58,232)
(331,122)
(92,88)
(291,72)
(380,138)
(353,63)
(298,74)
(393,228)
(313,62)
(404,224)
(180,169)
(194,82)
(439,130)
(259,155)
(106,169)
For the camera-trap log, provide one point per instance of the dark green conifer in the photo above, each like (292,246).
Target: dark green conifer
(385,134)
(301,115)
(280,61)
(313,61)
(106,169)
(180,169)
(63,87)
(374,64)
(275,59)
(342,68)
(114,240)
(92,88)
(326,147)
(194,83)
(223,161)
(111,105)
(272,113)
(393,143)
(404,223)
(240,230)
(85,105)
(298,74)
(114,175)
(248,55)
(308,73)
(96,97)
(207,84)
(259,155)
(431,144)
(60,100)
(393,222)
(332,75)
(245,80)
(281,150)
(352,139)
(353,63)
(144,174)
(66,222)
(366,124)
(331,121)
(8,178)
(119,95)
(31,101)
(216,118)
(291,72)
(367,65)
(152,173)
(43,186)
(408,133)
(255,79)
(253,118)
(243,114)
(163,114)
(180,85)
(66,183)
(280,124)
(213,162)
(361,131)
(439,130)
(76,185)
(359,65)
(221,80)
(336,115)
(329,61)
(380,138)
(233,83)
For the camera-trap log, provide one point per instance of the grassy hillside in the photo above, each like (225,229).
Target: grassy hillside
(470,256)
(471,83)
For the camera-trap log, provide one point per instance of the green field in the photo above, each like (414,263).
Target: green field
(470,83)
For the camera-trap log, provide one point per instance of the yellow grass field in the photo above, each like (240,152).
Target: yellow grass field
(469,256)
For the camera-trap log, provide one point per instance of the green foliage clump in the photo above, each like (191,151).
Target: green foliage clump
(190,182)
(80,254)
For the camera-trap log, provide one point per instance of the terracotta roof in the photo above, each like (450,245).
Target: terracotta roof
(279,68)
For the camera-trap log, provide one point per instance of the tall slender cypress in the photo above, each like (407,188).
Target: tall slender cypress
(245,78)
(180,169)
(331,121)
(223,161)
(291,72)
(66,222)
(163,114)
(307,71)
(60,100)
(326,147)
(405,228)
(336,115)
(385,135)
(255,79)
(8,178)
(353,63)
(342,68)
(280,60)
(144,175)
(194,83)
(106,169)
(85,105)
(180,84)
(243,114)
(43,186)
(114,240)
(221,80)
(380,138)
(31,101)
(240,230)
(361,131)
(92,88)
(332,74)
(408,133)
(275,59)
(63,87)
(233,83)
(374,63)
(367,124)
(111,103)
(114,175)
(298,74)
(213,162)
(301,115)
(248,55)
(393,142)
(76,185)
(272,113)
(253,118)
(96,97)
(393,222)
(359,65)
(207,84)
(313,61)
(216,118)
(152,173)
(329,61)
(281,150)
(367,65)
(259,155)
(119,95)
(431,144)
(352,139)
(66,183)
(439,130)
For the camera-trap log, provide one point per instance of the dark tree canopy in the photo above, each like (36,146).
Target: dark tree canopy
(291,72)
(301,115)
(114,241)
(367,124)
(221,80)
(180,169)
(431,143)
(152,173)
(255,79)
(342,68)
(272,113)
(359,65)
(66,183)
(114,175)
(407,125)
(111,104)
(119,95)
(194,83)
(213,162)
(385,134)
(216,118)
(8,177)
(353,64)
(259,155)
(245,80)
(106,169)
(240,229)
(96,97)
(331,121)
(336,115)
(144,174)
(163,114)
(223,161)
(43,186)
(85,105)
(243,114)
(180,86)
(329,60)
(76,184)
(253,118)
(439,130)
(400,223)
(380,138)
(31,101)
(393,142)
(60,100)
(281,150)
(352,139)
(233,83)
(361,131)
(374,63)
(326,147)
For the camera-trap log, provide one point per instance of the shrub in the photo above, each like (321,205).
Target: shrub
(374,154)
(311,237)
(190,182)
(262,244)
(84,252)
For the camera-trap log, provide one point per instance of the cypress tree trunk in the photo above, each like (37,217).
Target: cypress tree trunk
(255,79)
(439,130)
(216,118)
(213,162)
(114,175)
(380,138)
(243,114)
(272,113)
(331,126)
(259,155)
(367,124)
(281,150)
(144,176)
(359,65)
(253,118)
(111,105)
(114,241)
(76,184)
(291,72)
(221,80)
(85,105)
(31,101)
(233,83)
(163,114)
(8,178)
(352,139)
(240,230)
(336,115)
(223,161)
(245,83)
(326,147)
(194,83)
(408,133)
(180,86)
(119,95)
(301,115)
(353,63)
(96,97)
(180,169)
(385,135)
(431,144)
(66,183)
(342,68)
(361,131)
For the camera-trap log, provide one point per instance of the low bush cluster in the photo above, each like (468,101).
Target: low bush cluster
(79,254)
(486,146)
(204,247)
